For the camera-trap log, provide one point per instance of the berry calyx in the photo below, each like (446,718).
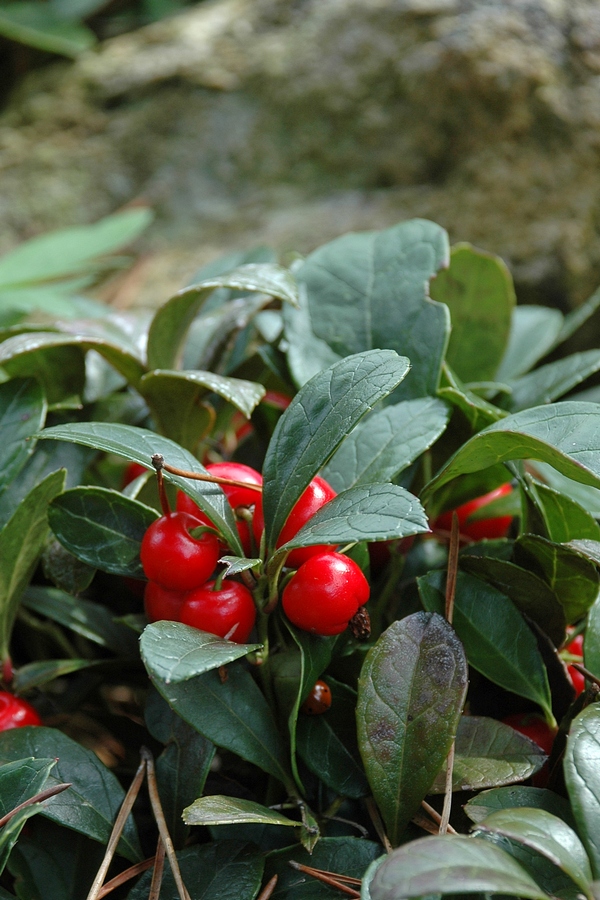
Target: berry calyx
(316,495)
(173,558)
(161,603)
(228,611)
(318,701)
(478,529)
(16,713)
(325,593)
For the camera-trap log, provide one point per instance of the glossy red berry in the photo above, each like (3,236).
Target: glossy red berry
(533,726)
(162,603)
(237,496)
(133,471)
(316,495)
(227,612)
(479,529)
(16,713)
(318,701)
(575,648)
(325,593)
(173,558)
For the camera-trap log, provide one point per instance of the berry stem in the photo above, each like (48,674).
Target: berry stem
(159,463)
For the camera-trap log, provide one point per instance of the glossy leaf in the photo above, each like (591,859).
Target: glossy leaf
(591,646)
(451,865)
(478,289)
(22,779)
(22,414)
(572,576)
(553,380)
(316,422)
(546,834)
(92,802)
(496,639)
(176,652)
(219,810)
(478,412)
(561,434)
(139,445)
(582,777)
(347,855)
(307,354)
(233,714)
(386,442)
(10,832)
(102,527)
(565,519)
(410,696)
(370,290)
(489,753)
(36,674)
(21,543)
(237,564)
(172,321)
(520,795)
(533,333)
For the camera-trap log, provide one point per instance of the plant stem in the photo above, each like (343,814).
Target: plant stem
(162,825)
(159,463)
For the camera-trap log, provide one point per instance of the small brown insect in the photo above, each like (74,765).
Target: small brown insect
(318,701)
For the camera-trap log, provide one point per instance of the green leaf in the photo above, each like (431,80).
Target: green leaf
(370,290)
(489,753)
(22,414)
(591,646)
(307,354)
(21,542)
(91,620)
(36,674)
(102,527)
(22,779)
(477,411)
(10,832)
(221,870)
(37,25)
(565,519)
(546,834)
(410,696)
(237,564)
(552,380)
(386,443)
(561,434)
(59,369)
(172,321)
(139,445)
(533,333)
(22,348)
(183,766)
(478,289)
(175,652)
(328,744)
(71,251)
(233,714)
(451,865)
(520,795)
(530,594)
(496,639)
(582,778)
(347,855)
(219,810)
(577,317)
(92,802)
(571,575)
(316,422)
(586,496)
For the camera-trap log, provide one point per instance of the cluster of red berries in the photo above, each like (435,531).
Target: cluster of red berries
(180,551)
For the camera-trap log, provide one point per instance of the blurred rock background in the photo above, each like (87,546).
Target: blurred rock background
(289,122)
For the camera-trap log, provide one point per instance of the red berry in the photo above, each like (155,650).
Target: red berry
(318,701)
(173,558)
(316,495)
(133,471)
(325,593)
(575,649)
(15,713)
(237,496)
(479,529)
(161,603)
(229,611)
(577,679)
(533,726)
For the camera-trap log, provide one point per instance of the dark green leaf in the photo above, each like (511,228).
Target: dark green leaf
(347,855)
(64,570)
(10,832)
(139,445)
(307,354)
(451,865)
(385,443)
(497,641)
(370,290)
(176,652)
(410,696)
(59,369)
(102,527)
(577,317)
(533,333)
(37,25)
(21,543)
(92,620)
(553,380)
(220,810)
(233,714)
(478,412)
(92,802)
(583,779)
(562,434)
(489,753)
(520,795)
(22,414)
(546,834)
(170,324)
(478,289)
(565,519)
(591,646)
(316,422)
(571,575)
(584,494)
(36,674)
(22,779)
(222,870)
